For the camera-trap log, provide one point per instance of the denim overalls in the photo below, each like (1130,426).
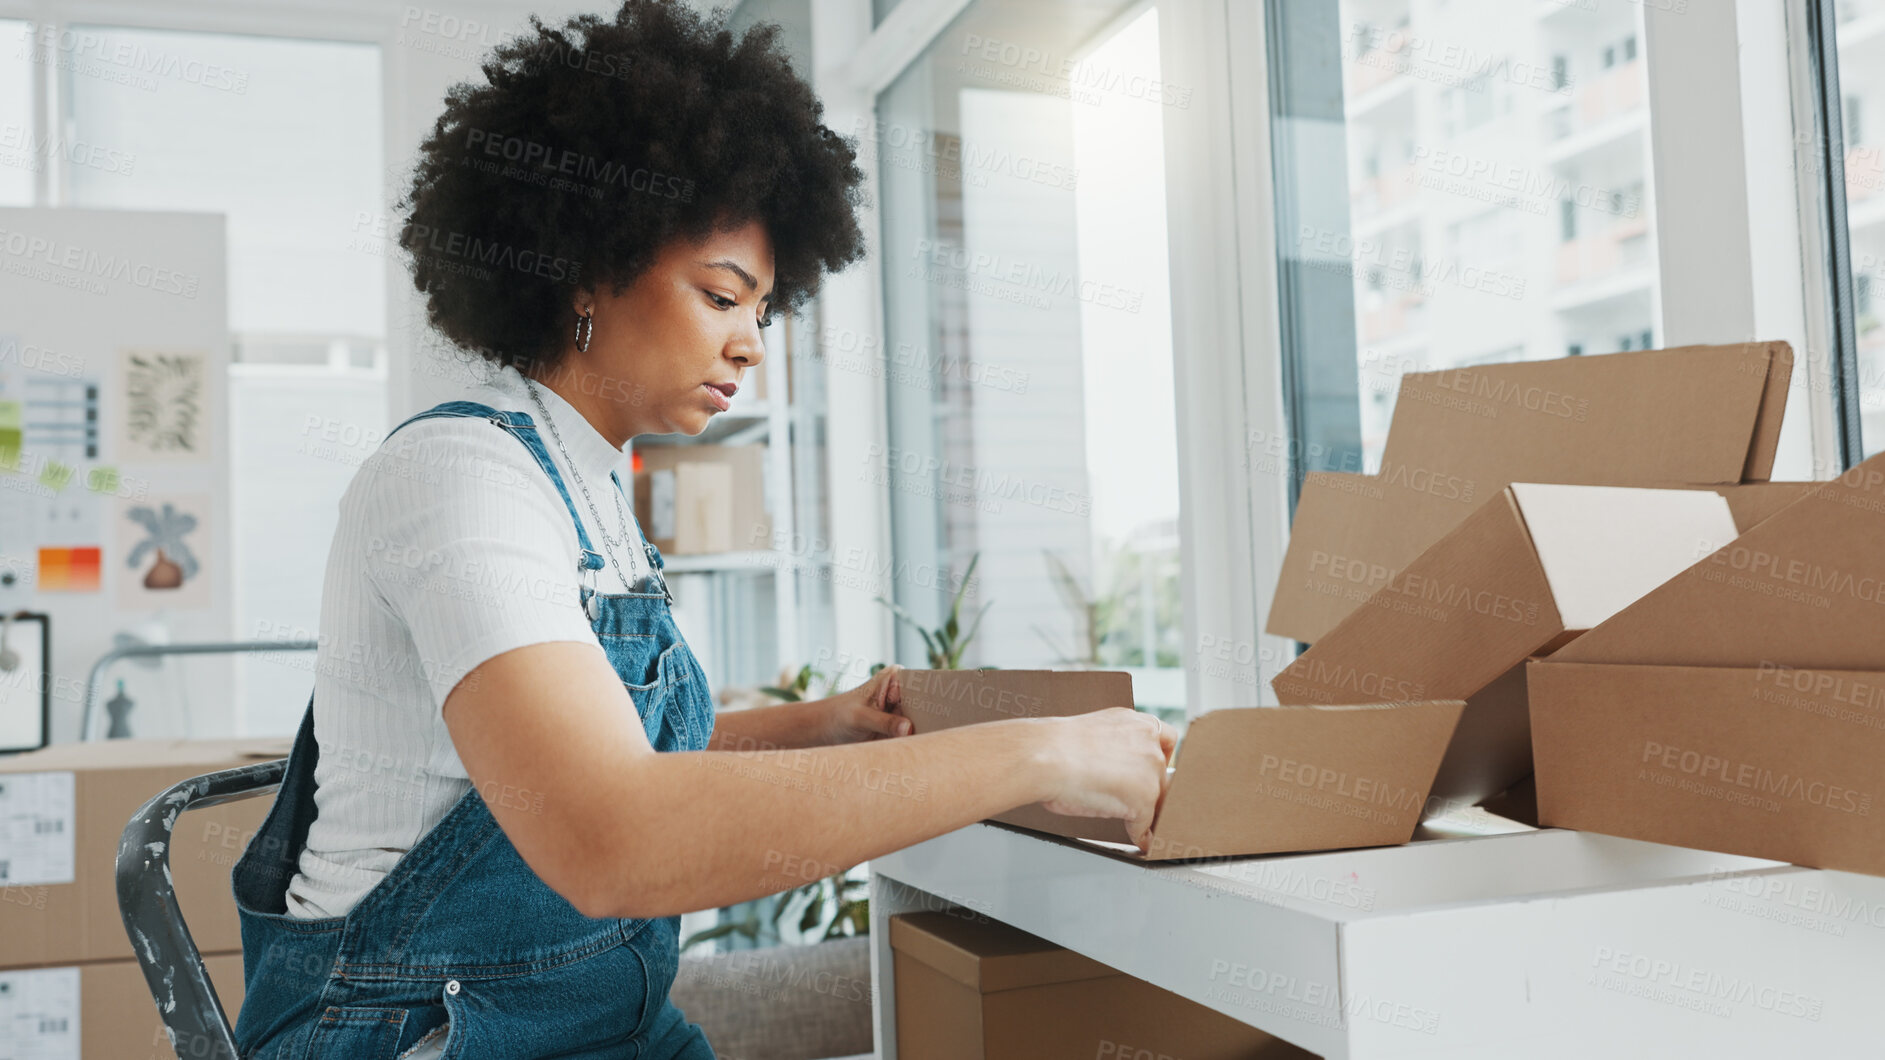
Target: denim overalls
(461,929)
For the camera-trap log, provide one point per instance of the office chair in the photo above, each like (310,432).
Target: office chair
(173,967)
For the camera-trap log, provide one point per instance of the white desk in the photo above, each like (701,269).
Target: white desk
(1539,944)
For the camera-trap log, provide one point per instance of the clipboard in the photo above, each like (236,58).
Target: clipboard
(26,690)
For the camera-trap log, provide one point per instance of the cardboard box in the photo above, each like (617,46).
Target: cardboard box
(1246,780)
(1706,415)
(64,809)
(1740,707)
(969,988)
(98,1011)
(1520,577)
(702,499)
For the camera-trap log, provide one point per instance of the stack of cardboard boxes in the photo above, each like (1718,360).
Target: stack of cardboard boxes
(69,985)
(1517,508)
(1571,568)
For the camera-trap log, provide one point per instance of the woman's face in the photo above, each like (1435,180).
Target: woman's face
(666,354)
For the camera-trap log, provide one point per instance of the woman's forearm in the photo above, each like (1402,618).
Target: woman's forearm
(779,725)
(699,830)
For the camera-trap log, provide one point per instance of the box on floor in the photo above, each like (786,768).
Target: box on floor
(1246,780)
(1739,707)
(67,806)
(969,988)
(1692,415)
(100,1010)
(1519,577)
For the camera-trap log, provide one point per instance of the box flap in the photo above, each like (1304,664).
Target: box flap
(1752,503)
(943,699)
(985,955)
(1259,780)
(1350,535)
(1767,424)
(1806,587)
(1603,547)
(1462,613)
(1690,415)
(1686,414)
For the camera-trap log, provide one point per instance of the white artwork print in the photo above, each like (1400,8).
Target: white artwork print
(164,398)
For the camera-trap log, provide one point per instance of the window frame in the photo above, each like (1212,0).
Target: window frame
(1226,530)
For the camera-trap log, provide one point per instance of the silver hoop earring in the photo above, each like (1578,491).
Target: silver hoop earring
(585,327)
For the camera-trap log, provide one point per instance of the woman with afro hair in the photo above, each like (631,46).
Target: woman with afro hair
(509,780)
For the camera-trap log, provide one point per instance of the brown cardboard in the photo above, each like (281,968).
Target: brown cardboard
(1766,761)
(719,498)
(1805,587)
(67,923)
(944,699)
(1694,414)
(1461,619)
(117,1018)
(1740,706)
(1754,502)
(1247,780)
(1271,780)
(969,988)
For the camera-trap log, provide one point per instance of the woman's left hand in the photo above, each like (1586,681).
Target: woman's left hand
(871,711)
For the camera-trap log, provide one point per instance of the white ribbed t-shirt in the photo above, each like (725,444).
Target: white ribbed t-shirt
(453,547)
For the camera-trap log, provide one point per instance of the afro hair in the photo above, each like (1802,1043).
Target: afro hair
(592,145)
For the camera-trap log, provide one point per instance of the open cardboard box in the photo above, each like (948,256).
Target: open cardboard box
(1521,576)
(1692,415)
(1245,780)
(1740,707)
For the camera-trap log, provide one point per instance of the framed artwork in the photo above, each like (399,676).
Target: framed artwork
(163,402)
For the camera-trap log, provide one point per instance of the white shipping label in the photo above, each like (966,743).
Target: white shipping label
(39,1014)
(37,826)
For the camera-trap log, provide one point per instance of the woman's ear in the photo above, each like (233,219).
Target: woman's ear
(583,301)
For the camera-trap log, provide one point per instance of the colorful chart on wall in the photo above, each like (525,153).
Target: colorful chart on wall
(71,570)
(163,402)
(70,531)
(61,417)
(166,552)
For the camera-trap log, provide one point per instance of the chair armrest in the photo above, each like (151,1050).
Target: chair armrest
(173,966)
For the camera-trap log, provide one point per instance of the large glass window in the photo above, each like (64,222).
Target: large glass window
(1861,44)
(1028,341)
(1495,157)
(283,138)
(21,153)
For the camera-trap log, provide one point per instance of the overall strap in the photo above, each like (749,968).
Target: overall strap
(520,426)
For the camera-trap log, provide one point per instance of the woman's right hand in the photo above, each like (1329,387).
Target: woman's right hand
(1109,763)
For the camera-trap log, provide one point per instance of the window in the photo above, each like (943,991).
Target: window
(1861,63)
(1519,218)
(1031,409)
(21,152)
(283,137)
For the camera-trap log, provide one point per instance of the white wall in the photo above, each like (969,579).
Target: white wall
(79,286)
